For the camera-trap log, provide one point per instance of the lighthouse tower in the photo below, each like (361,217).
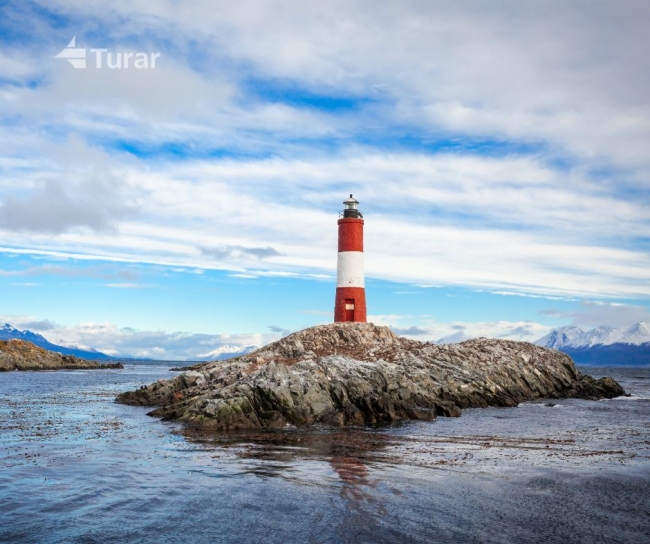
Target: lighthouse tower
(350,304)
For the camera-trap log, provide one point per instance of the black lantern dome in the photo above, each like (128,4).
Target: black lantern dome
(351,208)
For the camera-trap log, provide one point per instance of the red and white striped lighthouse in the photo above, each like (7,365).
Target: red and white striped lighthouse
(350,304)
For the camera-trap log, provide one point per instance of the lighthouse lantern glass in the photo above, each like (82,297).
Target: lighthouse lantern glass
(351,209)
(351,203)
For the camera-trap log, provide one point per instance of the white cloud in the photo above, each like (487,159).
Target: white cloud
(424,328)
(95,271)
(129,342)
(129,285)
(85,191)
(598,313)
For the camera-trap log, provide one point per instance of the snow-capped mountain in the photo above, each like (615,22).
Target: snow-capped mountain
(573,337)
(75,345)
(227,351)
(8,332)
(602,345)
(639,333)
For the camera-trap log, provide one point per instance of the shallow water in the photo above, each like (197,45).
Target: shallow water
(76,467)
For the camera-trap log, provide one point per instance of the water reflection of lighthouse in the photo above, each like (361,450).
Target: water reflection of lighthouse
(350,304)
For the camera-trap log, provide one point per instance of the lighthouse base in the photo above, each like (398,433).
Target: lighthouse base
(350,304)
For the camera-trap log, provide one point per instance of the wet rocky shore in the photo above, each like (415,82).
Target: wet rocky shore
(359,373)
(21,355)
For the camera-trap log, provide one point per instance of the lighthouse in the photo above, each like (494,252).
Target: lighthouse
(350,303)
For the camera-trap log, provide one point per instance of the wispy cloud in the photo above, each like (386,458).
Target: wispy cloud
(39,325)
(409,331)
(279,330)
(129,285)
(105,272)
(230,252)
(597,313)
(317,312)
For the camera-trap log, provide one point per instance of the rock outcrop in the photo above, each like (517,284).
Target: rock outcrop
(22,355)
(358,373)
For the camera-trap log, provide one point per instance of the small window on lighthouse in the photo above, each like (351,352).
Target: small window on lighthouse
(349,306)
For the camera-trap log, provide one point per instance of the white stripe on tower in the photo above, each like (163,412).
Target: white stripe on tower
(349,269)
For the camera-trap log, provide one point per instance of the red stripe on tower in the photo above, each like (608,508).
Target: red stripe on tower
(350,303)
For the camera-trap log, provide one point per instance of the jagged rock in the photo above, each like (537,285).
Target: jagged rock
(23,355)
(358,373)
(590,389)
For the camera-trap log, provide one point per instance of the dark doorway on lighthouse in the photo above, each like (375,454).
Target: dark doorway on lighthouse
(349,309)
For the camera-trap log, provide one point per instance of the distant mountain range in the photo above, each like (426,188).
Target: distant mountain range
(8,332)
(602,345)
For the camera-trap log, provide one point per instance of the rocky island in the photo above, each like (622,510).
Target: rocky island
(23,355)
(359,373)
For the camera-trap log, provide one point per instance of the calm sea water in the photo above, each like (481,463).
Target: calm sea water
(76,467)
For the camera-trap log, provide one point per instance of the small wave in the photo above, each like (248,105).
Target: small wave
(541,405)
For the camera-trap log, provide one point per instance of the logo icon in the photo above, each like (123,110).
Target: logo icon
(73,54)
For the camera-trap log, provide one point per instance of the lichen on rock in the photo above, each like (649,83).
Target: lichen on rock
(360,373)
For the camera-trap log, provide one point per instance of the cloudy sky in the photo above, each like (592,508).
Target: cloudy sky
(500,152)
